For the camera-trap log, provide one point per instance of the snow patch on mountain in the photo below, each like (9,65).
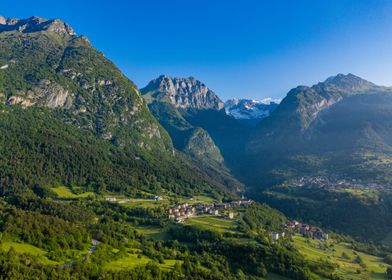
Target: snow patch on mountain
(248,109)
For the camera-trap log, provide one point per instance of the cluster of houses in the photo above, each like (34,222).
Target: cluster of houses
(307,230)
(301,228)
(331,182)
(182,211)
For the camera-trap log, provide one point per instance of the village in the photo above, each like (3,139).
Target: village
(331,182)
(305,230)
(182,211)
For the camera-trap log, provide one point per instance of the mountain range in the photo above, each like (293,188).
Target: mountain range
(46,66)
(77,136)
(334,135)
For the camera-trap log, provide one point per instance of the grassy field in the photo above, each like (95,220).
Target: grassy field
(64,192)
(24,248)
(133,260)
(211,222)
(153,232)
(344,256)
(128,262)
(202,199)
(145,203)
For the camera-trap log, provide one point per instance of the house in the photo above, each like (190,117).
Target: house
(275,236)
(111,198)
(231,215)
(156,198)
(221,206)
(320,235)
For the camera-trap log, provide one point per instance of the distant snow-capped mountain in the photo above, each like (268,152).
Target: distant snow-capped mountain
(248,109)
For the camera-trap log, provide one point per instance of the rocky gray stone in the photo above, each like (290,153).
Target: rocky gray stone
(35,24)
(184,93)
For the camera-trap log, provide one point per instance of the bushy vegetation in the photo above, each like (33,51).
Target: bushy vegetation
(39,150)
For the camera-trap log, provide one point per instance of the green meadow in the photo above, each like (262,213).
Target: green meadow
(64,192)
(24,248)
(153,232)
(343,256)
(209,222)
(133,260)
(145,203)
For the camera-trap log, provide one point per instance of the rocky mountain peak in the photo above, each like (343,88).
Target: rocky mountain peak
(349,83)
(185,93)
(35,24)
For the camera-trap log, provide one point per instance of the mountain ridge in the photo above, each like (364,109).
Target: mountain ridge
(35,24)
(305,113)
(184,93)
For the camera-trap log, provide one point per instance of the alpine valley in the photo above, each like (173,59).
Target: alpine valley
(102,180)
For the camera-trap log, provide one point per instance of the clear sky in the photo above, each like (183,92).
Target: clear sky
(241,48)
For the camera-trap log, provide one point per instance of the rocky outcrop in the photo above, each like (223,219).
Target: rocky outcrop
(45,93)
(35,24)
(184,93)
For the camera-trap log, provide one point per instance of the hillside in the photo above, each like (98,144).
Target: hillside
(45,65)
(173,101)
(338,127)
(324,156)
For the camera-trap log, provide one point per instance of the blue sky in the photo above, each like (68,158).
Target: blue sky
(241,48)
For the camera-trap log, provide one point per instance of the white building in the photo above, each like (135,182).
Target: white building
(275,236)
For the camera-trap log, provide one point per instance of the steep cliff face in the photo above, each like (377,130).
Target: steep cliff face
(44,63)
(184,93)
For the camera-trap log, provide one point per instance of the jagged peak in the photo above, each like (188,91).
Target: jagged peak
(184,92)
(35,24)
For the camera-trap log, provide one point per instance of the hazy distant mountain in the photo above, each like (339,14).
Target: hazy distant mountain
(250,110)
(337,127)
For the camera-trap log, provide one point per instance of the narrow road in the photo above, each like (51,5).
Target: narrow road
(92,249)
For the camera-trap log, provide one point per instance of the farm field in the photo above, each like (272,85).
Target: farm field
(209,222)
(64,192)
(344,256)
